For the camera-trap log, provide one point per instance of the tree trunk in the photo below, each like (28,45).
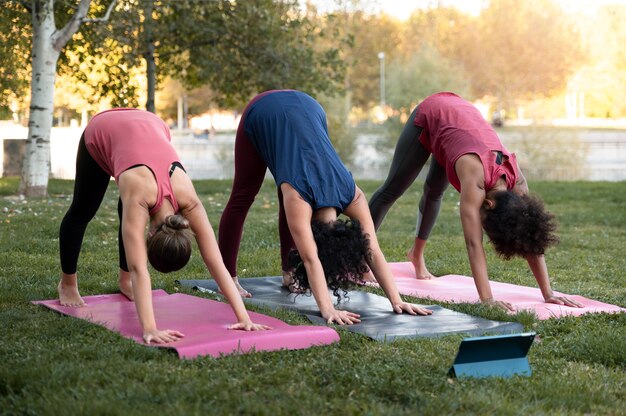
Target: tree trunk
(148,28)
(47,45)
(36,167)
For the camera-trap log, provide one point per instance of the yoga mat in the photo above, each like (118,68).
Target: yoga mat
(204,322)
(378,321)
(461,289)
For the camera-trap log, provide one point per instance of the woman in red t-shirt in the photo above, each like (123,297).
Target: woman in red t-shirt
(468,154)
(134,147)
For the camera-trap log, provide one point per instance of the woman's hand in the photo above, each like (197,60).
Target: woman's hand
(162,337)
(562,300)
(411,309)
(341,317)
(249,326)
(500,304)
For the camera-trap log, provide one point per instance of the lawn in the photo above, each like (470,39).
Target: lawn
(51,364)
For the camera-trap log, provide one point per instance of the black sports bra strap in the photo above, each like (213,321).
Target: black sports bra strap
(174,166)
(498,157)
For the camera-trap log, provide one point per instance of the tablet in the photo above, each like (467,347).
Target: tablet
(493,356)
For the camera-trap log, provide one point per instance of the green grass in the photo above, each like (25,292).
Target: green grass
(51,364)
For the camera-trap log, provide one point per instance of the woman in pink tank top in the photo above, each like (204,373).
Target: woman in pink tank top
(468,154)
(134,147)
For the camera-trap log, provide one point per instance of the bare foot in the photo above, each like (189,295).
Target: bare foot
(68,292)
(369,278)
(243,292)
(421,272)
(291,284)
(126,286)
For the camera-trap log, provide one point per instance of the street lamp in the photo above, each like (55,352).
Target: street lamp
(381,57)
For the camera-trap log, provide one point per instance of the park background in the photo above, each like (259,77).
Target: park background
(550,74)
(553,72)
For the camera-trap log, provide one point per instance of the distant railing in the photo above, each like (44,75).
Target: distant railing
(596,155)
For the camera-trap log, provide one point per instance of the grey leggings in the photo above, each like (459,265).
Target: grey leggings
(409,158)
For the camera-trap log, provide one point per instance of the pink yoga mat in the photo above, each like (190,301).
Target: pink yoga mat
(204,322)
(461,289)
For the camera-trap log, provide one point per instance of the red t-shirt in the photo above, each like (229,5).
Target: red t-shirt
(122,138)
(453,127)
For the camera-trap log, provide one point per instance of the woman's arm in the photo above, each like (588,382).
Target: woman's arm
(470,172)
(299,214)
(521,186)
(193,210)
(538,267)
(359,210)
(537,264)
(134,219)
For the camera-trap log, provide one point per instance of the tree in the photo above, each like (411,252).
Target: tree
(367,35)
(603,78)
(46,45)
(239,48)
(13,53)
(519,50)
(424,73)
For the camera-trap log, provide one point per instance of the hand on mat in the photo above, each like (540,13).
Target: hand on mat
(162,337)
(562,300)
(249,326)
(341,317)
(411,309)
(500,304)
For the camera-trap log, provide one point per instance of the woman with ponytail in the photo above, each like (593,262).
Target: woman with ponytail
(133,147)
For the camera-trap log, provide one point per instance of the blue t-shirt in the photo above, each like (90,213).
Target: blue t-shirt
(288,129)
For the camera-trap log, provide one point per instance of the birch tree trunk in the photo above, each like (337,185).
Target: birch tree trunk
(36,166)
(46,47)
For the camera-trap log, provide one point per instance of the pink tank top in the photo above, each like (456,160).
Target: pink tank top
(122,138)
(453,127)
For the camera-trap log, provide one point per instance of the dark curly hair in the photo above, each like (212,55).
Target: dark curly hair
(169,247)
(519,225)
(343,250)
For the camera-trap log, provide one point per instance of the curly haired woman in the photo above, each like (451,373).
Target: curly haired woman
(134,147)
(494,195)
(286,131)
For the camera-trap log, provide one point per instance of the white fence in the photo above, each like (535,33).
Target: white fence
(604,154)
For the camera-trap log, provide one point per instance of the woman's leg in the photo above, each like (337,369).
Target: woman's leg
(120,245)
(430,203)
(126,285)
(90,186)
(249,174)
(408,160)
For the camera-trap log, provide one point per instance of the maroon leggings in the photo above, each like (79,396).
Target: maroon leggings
(249,174)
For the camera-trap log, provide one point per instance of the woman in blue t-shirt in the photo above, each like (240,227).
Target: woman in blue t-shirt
(286,131)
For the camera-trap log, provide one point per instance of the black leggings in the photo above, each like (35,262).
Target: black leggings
(409,158)
(90,186)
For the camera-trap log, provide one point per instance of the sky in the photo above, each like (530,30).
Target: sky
(402,8)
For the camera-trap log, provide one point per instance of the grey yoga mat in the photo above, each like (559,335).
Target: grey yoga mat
(378,321)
